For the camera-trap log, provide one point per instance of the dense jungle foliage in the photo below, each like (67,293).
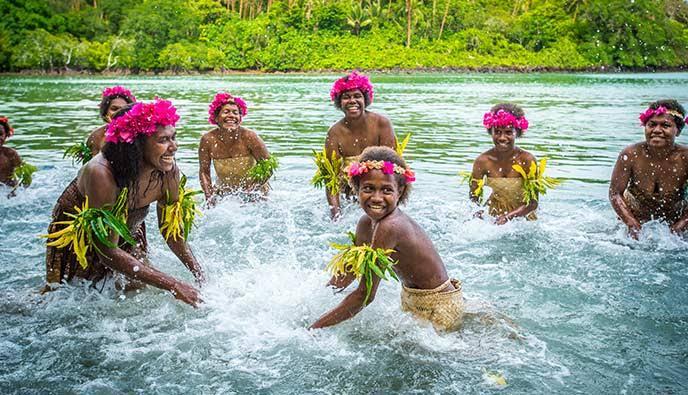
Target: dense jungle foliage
(284,35)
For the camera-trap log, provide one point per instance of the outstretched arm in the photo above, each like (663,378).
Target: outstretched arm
(178,245)
(349,307)
(101,190)
(621,176)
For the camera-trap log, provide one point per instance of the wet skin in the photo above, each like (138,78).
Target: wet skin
(358,130)
(96,181)
(497,161)
(384,225)
(9,159)
(656,173)
(228,140)
(96,139)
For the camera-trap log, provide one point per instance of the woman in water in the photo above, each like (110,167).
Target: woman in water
(96,224)
(389,243)
(499,166)
(235,151)
(358,129)
(113,99)
(650,178)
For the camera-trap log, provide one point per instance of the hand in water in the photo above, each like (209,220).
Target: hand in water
(634,229)
(501,220)
(187,294)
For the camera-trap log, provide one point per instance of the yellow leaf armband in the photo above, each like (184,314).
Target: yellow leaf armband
(535,182)
(363,262)
(327,174)
(89,224)
(263,169)
(178,217)
(401,146)
(467,177)
(79,152)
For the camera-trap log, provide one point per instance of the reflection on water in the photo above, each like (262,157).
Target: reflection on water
(592,311)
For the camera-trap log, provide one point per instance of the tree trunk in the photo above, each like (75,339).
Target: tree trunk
(269,4)
(409,11)
(444,19)
(241,8)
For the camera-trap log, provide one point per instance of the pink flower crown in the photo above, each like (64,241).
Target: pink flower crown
(651,112)
(118,91)
(223,98)
(350,82)
(6,121)
(143,118)
(356,169)
(504,118)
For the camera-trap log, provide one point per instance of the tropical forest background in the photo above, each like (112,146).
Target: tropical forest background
(304,35)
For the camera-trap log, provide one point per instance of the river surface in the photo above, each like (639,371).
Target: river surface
(565,304)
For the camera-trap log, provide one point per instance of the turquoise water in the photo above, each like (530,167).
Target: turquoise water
(589,311)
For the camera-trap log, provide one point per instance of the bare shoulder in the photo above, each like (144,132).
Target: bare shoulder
(380,119)
(9,152)
(336,129)
(525,156)
(209,136)
(250,135)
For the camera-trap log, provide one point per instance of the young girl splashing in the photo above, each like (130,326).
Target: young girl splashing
(389,242)
(505,168)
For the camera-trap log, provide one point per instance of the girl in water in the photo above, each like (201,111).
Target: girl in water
(505,168)
(389,243)
(241,159)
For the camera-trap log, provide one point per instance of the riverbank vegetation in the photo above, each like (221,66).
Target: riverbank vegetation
(307,35)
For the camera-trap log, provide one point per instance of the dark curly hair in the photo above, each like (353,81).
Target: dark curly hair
(511,108)
(672,105)
(105,104)
(126,159)
(6,128)
(388,155)
(338,99)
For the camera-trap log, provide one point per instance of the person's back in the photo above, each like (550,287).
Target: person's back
(418,263)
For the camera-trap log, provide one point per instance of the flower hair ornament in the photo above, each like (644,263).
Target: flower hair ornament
(651,112)
(221,99)
(10,130)
(350,82)
(356,169)
(143,118)
(503,118)
(118,91)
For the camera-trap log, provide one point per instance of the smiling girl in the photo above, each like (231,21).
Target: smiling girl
(495,167)
(233,150)
(650,178)
(96,229)
(401,249)
(358,129)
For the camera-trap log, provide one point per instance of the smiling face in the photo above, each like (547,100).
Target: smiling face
(504,138)
(115,105)
(229,117)
(661,131)
(352,103)
(378,194)
(160,147)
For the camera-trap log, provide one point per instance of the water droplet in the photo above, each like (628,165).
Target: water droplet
(122,297)
(625,157)
(136,269)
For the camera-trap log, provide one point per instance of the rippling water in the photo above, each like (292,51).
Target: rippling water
(588,310)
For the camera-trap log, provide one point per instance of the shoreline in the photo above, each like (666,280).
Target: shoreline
(457,70)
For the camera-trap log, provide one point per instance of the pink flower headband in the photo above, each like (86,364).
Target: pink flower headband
(651,112)
(222,99)
(504,118)
(118,91)
(350,82)
(356,169)
(143,118)
(10,131)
